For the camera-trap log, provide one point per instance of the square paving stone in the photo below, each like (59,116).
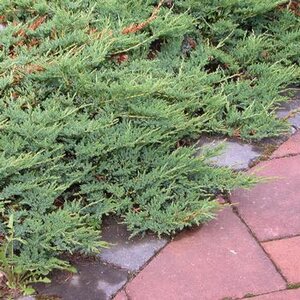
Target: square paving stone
(94,281)
(219,260)
(272,209)
(282,295)
(127,253)
(290,147)
(235,155)
(286,255)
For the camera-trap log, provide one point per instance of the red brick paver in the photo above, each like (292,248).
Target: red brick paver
(286,255)
(272,209)
(219,260)
(283,295)
(290,147)
(225,259)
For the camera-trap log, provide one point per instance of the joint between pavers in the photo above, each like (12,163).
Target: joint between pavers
(134,274)
(284,156)
(293,286)
(281,238)
(150,259)
(263,294)
(122,289)
(296,129)
(236,212)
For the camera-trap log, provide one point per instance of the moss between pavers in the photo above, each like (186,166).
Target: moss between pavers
(292,286)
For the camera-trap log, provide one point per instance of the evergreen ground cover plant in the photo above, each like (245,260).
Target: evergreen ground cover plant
(99,101)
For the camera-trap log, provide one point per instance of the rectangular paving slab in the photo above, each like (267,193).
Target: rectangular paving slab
(286,255)
(272,209)
(219,260)
(235,154)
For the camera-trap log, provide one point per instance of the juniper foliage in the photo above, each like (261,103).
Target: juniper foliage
(99,98)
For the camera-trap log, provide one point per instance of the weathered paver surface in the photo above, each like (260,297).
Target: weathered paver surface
(286,255)
(235,155)
(282,295)
(94,281)
(219,260)
(290,147)
(272,209)
(130,254)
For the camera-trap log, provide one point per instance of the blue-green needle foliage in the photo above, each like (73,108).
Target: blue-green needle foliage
(99,99)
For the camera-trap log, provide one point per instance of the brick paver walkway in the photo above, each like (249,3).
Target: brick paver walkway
(250,250)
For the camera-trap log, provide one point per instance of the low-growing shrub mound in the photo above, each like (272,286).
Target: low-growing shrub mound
(99,101)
